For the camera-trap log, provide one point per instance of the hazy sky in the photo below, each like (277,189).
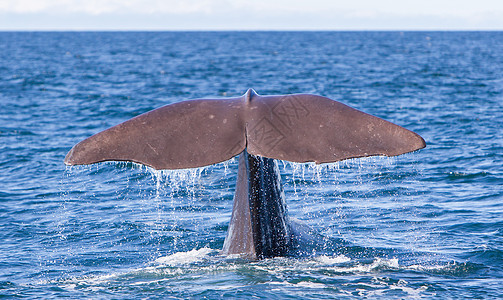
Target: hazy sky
(251,14)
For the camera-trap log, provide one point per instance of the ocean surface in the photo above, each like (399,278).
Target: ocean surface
(427,224)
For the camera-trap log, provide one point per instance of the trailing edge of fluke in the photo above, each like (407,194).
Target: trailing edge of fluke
(196,133)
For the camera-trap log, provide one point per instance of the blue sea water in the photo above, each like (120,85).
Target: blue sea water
(428,224)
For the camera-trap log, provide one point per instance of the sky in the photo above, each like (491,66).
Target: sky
(251,15)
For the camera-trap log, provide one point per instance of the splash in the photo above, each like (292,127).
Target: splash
(185,258)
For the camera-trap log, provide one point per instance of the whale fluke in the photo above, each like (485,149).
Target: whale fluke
(298,128)
(196,133)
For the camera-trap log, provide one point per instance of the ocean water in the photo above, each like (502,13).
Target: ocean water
(428,224)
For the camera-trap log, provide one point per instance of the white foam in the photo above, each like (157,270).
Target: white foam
(332,260)
(175,266)
(183,258)
(386,263)
(312,285)
(378,263)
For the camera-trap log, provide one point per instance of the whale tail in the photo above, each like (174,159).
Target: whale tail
(196,133)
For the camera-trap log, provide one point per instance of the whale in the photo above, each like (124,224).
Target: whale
(261,130)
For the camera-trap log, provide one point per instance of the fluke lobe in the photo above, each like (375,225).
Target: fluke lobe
(297,128)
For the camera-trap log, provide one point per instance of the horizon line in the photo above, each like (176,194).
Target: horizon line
(247,30)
